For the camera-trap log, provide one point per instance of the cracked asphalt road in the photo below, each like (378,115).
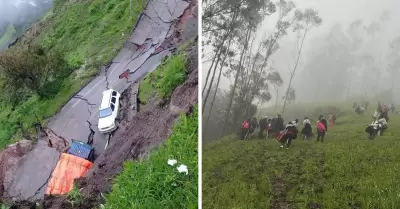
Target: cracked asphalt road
(142,53)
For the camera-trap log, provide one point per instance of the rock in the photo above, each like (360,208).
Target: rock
(10,159)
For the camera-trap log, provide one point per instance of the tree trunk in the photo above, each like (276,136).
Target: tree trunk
(212,64)
(294,70)
(227,114)
(216,88)
(215,70)
(276,102)
(219,51)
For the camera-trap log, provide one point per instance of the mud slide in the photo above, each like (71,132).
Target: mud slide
(163,25)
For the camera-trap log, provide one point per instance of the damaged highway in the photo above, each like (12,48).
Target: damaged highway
(27,166)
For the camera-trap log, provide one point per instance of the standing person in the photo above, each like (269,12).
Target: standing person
(263,125)
(392,108)
(289,134)
(253,125)
(332,119)
(307,130)
(245,129)
(322,128)
(269,126)
(279,123)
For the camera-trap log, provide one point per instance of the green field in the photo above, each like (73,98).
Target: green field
(90,33)
(347,170)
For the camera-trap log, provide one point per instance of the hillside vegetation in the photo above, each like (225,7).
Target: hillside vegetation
(347,170)
(85,34)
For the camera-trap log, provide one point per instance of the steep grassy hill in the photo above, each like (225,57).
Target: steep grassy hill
(346,171)
(90,34)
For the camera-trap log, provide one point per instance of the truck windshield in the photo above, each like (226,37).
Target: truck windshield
(105,113)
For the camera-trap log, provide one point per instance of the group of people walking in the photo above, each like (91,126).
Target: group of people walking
(379,123)
(284,134)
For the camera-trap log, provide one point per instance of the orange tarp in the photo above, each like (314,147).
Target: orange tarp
(68,168)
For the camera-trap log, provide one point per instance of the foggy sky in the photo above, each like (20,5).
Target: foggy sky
(11,11)
(332,12)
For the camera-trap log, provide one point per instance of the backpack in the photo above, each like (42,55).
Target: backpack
(246,124)
(320,126)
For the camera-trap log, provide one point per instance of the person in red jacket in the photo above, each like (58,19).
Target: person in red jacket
(322,128)
(244,132)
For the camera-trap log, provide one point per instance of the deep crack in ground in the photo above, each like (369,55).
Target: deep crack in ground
(83,99)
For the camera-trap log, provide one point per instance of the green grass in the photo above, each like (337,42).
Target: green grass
(75,196)
(4,206)
(8,34)
(169,75)
(91,30)
(152,183)
(88,31)
(346,171)
(146,89)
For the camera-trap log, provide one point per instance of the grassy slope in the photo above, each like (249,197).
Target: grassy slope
(164,79)
(152,183)
(90,31)
(346,171)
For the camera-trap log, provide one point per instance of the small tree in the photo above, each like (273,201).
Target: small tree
(276,80)
(290,96)
(33,69)
(305,22)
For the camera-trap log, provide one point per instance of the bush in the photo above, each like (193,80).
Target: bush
(32,68)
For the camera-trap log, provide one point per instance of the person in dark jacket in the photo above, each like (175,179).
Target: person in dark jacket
(279,124)
(263,126)
(307,129)
(253,125)
(290,134)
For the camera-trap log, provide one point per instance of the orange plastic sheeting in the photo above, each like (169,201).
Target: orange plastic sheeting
(68,168)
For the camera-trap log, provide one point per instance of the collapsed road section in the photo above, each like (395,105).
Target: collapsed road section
(157,32)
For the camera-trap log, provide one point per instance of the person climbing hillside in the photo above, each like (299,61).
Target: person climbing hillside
(322,128)
(359,109)
(253,125)
(263,126)
(382,111)
(290,133)
(244,132)
(392,108)
(332,119)
(279,124)
(269,127)
(306,131)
